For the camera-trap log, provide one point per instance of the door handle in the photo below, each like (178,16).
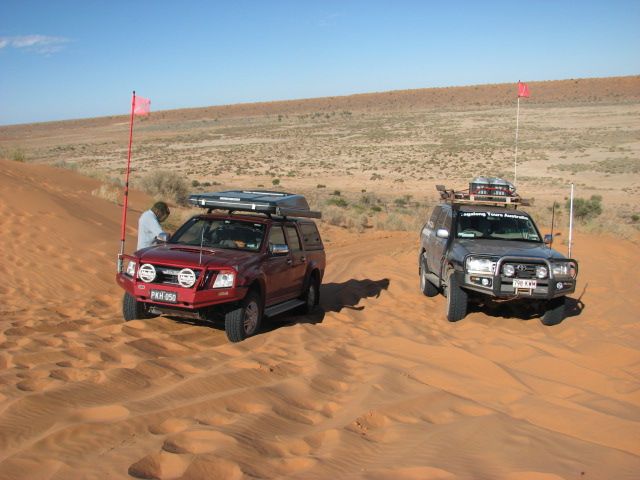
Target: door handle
(303,259)
(289,261)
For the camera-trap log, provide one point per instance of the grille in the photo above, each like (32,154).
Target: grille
(523,270)
(169,275)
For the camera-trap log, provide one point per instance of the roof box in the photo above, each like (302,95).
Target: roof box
(261,201)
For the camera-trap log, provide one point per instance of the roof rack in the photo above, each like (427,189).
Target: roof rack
(497,198)
(260,201)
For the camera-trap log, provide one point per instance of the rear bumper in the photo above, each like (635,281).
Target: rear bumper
(186,298)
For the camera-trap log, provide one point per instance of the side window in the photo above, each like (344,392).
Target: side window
(276,235)
(441,218)
(434,217)
(294,240)
(310,236)
(447,221)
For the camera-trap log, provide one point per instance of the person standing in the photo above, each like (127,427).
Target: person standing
(149,224)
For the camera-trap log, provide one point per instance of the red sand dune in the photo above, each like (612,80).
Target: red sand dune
(377,385)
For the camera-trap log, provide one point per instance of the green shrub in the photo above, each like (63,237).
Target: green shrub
(164,185)
(585,210)
(338,202)
(275,181)
(17,155)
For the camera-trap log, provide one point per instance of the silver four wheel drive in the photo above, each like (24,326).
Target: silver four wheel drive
(478,247)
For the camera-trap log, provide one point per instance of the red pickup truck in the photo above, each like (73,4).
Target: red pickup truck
(261,255)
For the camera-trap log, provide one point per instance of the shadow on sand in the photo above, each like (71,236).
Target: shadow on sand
(333,298)
(525,310)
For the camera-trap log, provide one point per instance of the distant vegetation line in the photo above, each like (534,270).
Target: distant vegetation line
(571,91)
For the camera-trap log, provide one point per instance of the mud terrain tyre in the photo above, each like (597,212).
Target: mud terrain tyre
(426,287)
(132,309)
(244,321)
(554,312)
(311,296)
(457,299)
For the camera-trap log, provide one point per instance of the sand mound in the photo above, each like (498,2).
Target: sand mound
(376,385)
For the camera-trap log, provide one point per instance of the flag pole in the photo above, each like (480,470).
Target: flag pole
(571,220)
(126,185)
(515,160)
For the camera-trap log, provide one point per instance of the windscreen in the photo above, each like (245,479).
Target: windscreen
(496,225)
(215,233)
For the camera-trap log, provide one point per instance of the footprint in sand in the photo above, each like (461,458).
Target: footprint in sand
(160,465)
(36,384)
(103,414)
(197,441)
(247,407)
(213,467)
(171,425)
(78,375)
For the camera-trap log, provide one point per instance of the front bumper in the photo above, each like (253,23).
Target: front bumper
(186,298)
(501,286)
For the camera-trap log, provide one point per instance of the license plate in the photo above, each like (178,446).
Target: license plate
(520,283)
(164,296)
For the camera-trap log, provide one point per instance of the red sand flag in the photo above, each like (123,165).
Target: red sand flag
(523,90)
(139,106)
(142,106)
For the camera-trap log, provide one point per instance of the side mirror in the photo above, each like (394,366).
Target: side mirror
(278,249)
(442,233)
(162,238)
(548,239)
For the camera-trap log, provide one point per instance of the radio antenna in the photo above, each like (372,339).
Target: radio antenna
(201,242)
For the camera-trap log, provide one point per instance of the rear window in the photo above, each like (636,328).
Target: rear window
(310,236)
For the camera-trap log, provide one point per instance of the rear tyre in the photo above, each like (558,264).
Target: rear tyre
(457,299)
(311,296)
(244,321)
(554,312)
(426,287)
(132,309)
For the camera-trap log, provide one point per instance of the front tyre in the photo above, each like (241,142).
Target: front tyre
(554,312)
(426,287)
(132,309)
(457,298)
(244,321)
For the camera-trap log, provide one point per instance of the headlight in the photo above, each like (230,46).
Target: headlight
(541,271)
(564,269)
(509,270)
(147,273)
(186,277)
(479,265)
(224,280)
(131,268)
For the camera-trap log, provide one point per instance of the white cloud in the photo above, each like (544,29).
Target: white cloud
(35,43)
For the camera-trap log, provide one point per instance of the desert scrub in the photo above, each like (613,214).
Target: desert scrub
(165,185)
(338,202)
(109,192)
(17,155)
(585,210)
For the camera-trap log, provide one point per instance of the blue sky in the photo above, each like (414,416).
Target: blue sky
(75,59)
